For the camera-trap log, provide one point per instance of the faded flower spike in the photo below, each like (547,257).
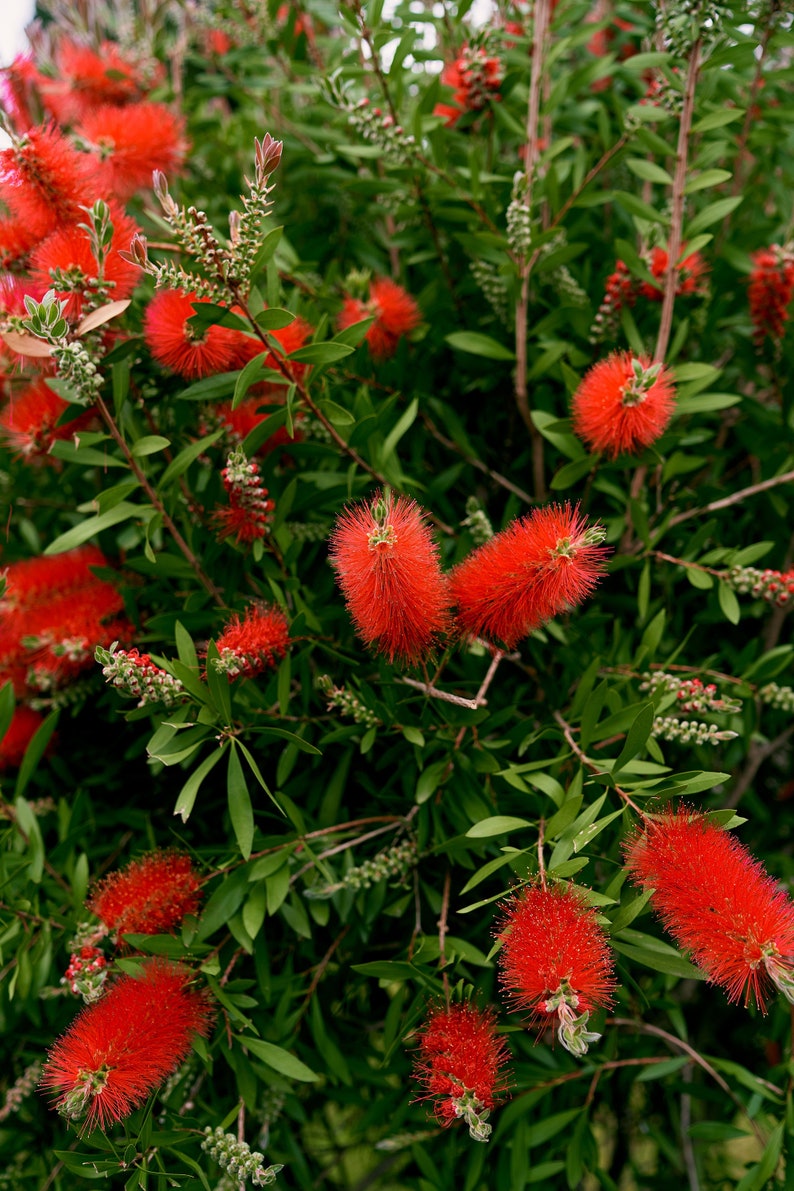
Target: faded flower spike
(536,568)
(718,903)
(556,962)
(459,1066)
(121,1049)
(623,404)
(87,972)
(135,674)
(386,563)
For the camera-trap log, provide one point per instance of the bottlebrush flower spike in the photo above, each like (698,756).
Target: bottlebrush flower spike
(556,962)
(122,1048)
(249,513)
(29,420)
(459,1065)
(770,291)
(624,403)
(396,314)
(254,644)
(44,180)
(178,346)
(386,564)
(690,279)
(475,77)
(151,896)
(86,77)
(537,567)
(129,143)
(718,903)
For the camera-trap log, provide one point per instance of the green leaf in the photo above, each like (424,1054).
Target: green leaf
(714,213)
(267,250)
(185,647)
(701,182)
(479,345)
(403,424)
(279,1059)
(274,319)
(211,388)
(718,118)
(181,462)
(496,825)
(649,171)
(94,525)
(355,333)
(240,810)
(654,954)
(187,795)
(380,969)
(729,603)
(572,473)
(35,751)
(218,683)
(283,734)
(207,314)
(321,353)
(636,737)
(254,370)
(150,444)
(335,413)
(7,705)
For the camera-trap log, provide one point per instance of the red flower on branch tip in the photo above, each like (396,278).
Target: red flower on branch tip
(186,350)
(254,644)
(386,564)
(123,1047)
(539,566)
(150,896)
(459,1066)
(396,314)
(718,903)
(623,404)
(556,961)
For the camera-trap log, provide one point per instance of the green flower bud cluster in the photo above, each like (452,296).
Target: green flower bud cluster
(345,701)
(777,696)
(667,727)
(477,522)
(237,1158)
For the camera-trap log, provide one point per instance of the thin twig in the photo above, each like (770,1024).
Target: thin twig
(588,763)
(758,753)
(446,696)
(734,498)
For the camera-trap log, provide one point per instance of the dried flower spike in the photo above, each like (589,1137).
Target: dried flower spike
(459,1066)
(386,563)
(718,903)
(151,896)
(121,1049)
(623,404)
(539,566)
(556,962)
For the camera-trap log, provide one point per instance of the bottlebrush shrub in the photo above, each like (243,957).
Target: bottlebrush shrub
(393,643)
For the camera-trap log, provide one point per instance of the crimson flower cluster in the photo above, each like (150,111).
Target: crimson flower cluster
(770,290)
(401,603)
(718,903)
(151,896)
(475,77)
(623,290)
(54,612)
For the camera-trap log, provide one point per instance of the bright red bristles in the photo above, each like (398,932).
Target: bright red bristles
(86,78)
(555,961)
(536,568)
(28,422)
(623,404)
(396,314)
(65,262)
(718,903)
(130,142)
(122,1048)
(690,275)
(770,292)
(25,722)
(151,896)
(44,181)
(459,1065)
(386,564)
(254,644)
(475,78)
(180,347)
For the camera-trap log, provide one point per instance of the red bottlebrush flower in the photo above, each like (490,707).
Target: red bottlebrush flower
(475,78)
(178,346)
(17,239)
(24,725)
(556,962)
(718,903)
(459,1065)
(65,262)
(86,78)
(28,422)
(121,1049)
(537,567)
(35,580)
(130,142)
(19,85)
(770,291)
(247,517)
(690,280)
(396,314)
(386,564)
(44,180)
(254,644)
(151,896)
(624,403)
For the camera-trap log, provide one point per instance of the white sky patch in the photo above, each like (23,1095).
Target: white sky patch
(16,14)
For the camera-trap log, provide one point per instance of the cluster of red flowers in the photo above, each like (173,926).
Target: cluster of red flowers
(151,896)
(623,404)
(394,311)
(623,290)
(401,603)
(125,1045)
(55,611)
(718,903)
(770,291)
(475,77)
(254,644)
